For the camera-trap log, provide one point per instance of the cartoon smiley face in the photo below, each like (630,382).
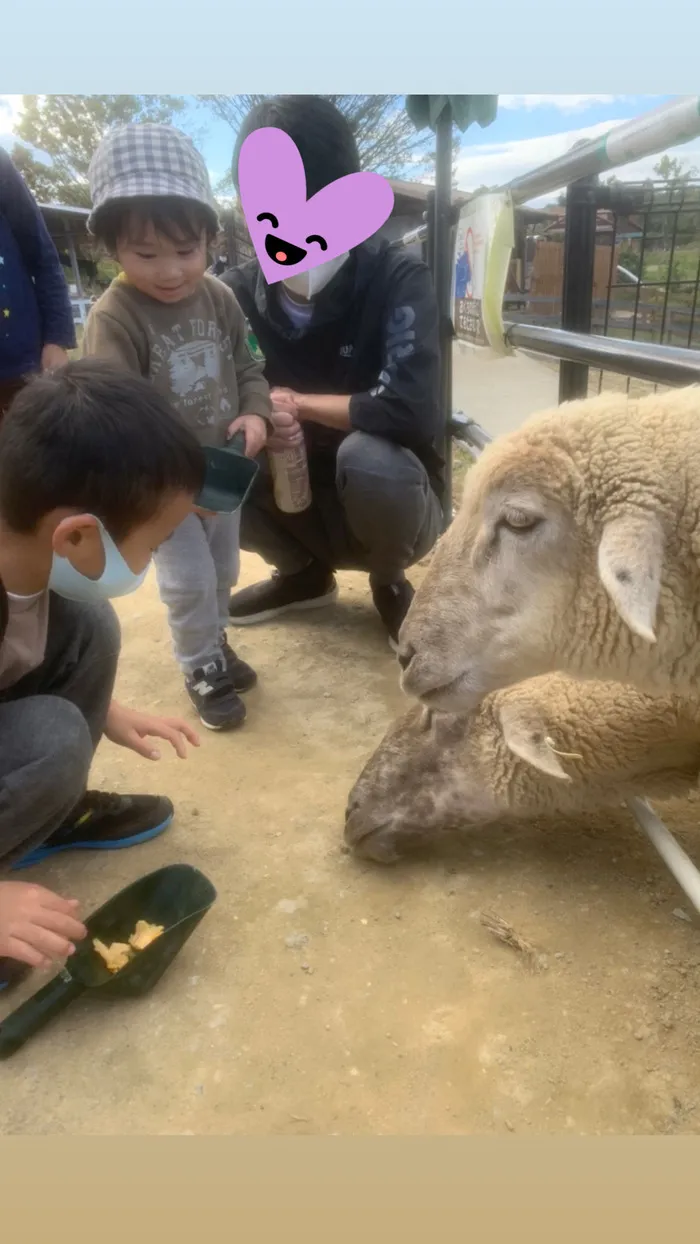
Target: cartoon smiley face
(292,234)
(286,253)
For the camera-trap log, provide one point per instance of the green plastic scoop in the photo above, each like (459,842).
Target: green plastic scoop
(229,477)
(176,897)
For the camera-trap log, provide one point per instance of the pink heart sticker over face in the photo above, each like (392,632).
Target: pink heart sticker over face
(290,233)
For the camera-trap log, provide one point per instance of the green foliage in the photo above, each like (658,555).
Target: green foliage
(68,128)
(629,259)
(671,169)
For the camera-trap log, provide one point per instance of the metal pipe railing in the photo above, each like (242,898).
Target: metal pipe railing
(667,126)
(643,360)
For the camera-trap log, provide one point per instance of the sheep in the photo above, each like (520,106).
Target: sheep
(576,548)
(551,746)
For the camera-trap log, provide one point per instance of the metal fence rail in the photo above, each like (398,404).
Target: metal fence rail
(670,365)
(647,135)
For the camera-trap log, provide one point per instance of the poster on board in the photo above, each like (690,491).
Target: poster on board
(483,248)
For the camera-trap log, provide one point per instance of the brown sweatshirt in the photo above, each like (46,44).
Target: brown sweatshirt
(195,352)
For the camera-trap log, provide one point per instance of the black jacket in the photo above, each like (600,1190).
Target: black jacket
(374,334)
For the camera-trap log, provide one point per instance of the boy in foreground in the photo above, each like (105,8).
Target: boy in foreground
(96,471)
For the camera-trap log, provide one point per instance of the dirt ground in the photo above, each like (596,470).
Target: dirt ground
(326,996)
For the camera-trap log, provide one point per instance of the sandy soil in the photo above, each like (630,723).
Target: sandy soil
(326,996)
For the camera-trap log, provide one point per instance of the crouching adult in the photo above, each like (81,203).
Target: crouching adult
(351,353)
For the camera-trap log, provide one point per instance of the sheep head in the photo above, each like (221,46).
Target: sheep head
(553,563)
(434,772)
(423,778)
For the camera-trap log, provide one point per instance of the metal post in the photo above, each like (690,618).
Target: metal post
(579,270)
(74,262)
(442,271)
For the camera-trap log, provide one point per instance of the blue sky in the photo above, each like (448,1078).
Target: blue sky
(529,130)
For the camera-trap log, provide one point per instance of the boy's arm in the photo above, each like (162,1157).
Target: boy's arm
(107,338)
(39,256)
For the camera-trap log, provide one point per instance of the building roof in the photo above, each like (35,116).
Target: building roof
(418,191)
(64,209)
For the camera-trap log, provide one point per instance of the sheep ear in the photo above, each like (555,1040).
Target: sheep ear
(526,738)
(630,559)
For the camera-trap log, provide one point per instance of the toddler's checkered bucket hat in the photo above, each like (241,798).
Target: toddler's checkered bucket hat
(148,161)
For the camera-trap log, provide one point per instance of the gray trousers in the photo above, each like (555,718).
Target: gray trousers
(51,722)
(196,569)
(379,514)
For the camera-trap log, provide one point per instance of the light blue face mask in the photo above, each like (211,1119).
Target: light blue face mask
(116,578)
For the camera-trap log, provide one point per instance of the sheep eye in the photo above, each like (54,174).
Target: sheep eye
(519,521)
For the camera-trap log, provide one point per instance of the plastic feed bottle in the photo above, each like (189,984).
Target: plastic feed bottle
(290,478)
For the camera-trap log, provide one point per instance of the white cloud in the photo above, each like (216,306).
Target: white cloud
(496,164)
(563,103)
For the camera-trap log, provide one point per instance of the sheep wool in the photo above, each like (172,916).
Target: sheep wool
(576,548)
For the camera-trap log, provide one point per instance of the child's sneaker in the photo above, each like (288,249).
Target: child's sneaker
(105,822)
(242,675)
(215,698)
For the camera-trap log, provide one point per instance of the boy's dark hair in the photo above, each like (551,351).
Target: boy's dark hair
(179,220)
(96,439)
(322,134)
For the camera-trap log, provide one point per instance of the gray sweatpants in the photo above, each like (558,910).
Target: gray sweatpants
(378,514)
(51,722)
(196,569)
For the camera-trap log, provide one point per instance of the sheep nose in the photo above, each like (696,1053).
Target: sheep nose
(352,806)
(406,655)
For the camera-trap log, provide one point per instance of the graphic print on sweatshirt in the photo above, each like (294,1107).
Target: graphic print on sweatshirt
(187,361)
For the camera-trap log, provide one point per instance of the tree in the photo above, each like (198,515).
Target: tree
(671,169)
(386,138)
(68,129)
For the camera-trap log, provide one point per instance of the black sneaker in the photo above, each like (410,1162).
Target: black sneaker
(215,698)
(312,588)
(392,602)
(105,822)
(12,973)
(242,675)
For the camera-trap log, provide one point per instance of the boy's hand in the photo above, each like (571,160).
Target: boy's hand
(36,926)
(128,728)
(53,357)
(255,429)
